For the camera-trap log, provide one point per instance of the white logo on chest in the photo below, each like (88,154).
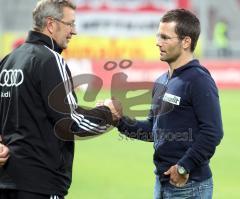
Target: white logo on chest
(173,99)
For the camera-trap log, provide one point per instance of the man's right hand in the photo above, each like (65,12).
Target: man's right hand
(115,107)
(4,153)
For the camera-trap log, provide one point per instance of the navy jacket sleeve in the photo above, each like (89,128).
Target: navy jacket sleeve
(60,101)
(140,130)
(205,102)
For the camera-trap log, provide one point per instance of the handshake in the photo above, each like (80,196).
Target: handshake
(114,106)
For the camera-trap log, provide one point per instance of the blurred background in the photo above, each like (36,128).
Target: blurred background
(123,32)
(125,29)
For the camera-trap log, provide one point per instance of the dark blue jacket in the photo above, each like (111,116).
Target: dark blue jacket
(184,121)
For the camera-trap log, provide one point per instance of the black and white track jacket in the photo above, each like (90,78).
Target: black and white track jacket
(38,113)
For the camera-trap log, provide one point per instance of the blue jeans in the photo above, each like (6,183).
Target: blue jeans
(192,190)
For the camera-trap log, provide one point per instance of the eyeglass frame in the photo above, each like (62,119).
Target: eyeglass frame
(164,38)
(70,24)
(60,1)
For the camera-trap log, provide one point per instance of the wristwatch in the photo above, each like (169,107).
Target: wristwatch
(181,170)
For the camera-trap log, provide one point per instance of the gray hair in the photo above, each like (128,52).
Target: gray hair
(49,8)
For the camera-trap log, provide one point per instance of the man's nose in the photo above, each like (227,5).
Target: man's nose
(74,31)
(158,43)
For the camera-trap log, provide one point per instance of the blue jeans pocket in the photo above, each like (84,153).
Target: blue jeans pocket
(191,190)
(183,192)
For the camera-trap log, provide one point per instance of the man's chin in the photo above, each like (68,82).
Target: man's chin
(64,46)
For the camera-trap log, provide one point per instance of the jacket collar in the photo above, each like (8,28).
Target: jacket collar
(193,63)
(40,38)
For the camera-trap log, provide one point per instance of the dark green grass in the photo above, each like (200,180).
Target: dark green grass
(113,167)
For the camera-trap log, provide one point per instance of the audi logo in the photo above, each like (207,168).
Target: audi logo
(12,77)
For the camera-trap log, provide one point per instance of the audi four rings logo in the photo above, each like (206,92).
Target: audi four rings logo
(12,77)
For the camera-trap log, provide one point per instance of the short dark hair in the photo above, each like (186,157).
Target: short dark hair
(187,24)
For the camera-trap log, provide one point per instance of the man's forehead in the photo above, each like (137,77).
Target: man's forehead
(69,13)
(170,25)
(166,27)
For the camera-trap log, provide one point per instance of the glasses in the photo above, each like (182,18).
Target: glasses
(60,1)
(70,24)
(164,38)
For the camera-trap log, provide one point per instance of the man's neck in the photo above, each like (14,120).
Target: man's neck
(181,61)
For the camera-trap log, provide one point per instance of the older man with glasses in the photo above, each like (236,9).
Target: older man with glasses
(38,104)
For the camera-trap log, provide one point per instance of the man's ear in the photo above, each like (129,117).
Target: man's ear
(50,25)
(186,42)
